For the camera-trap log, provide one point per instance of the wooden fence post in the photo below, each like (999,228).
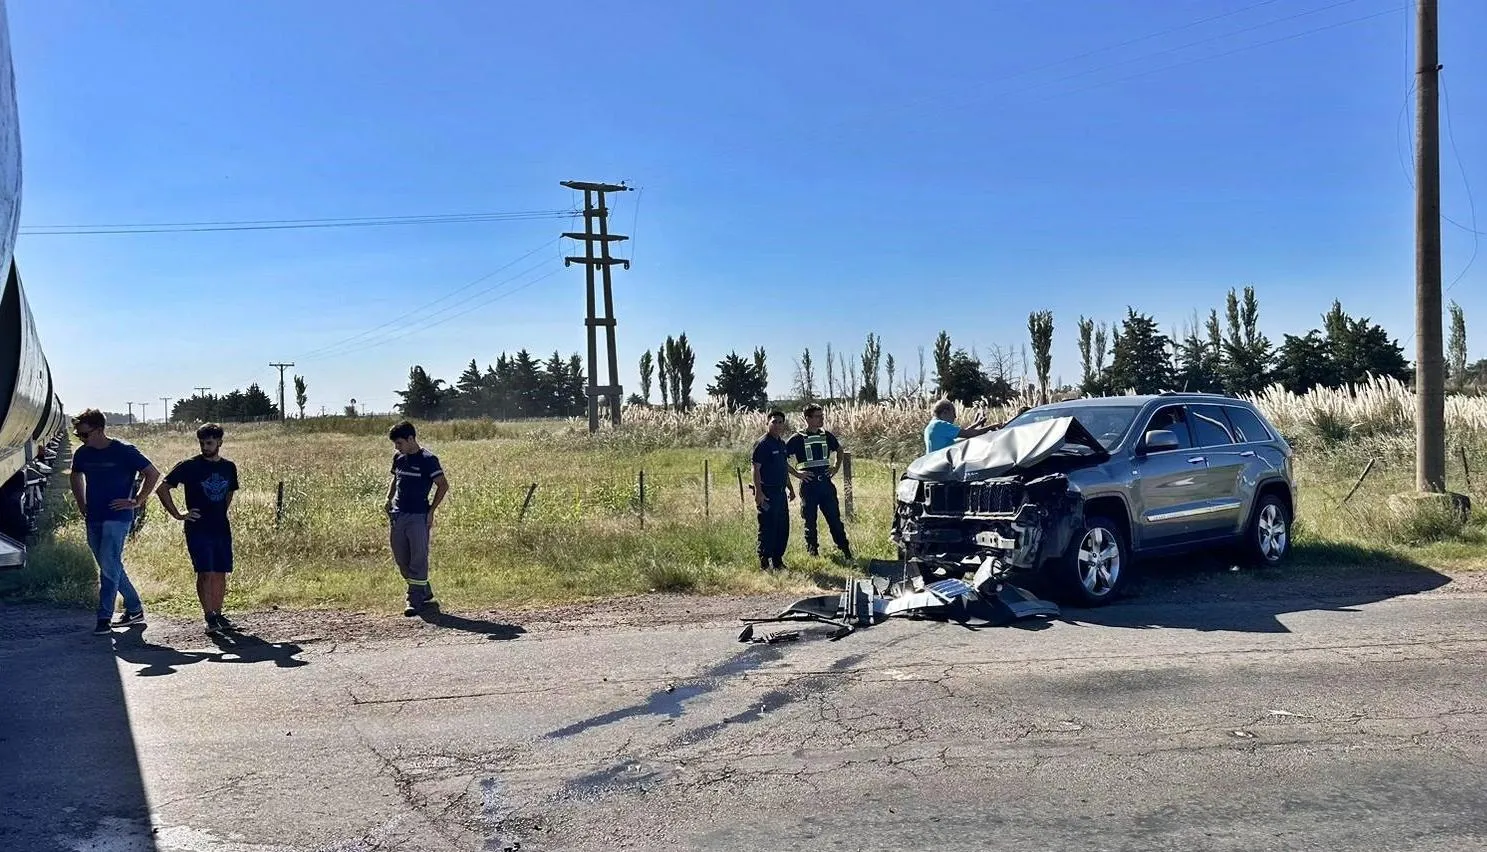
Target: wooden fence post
(706,490)
(531,489)
(642,499)
(279,505)
(742,506)
(847,485)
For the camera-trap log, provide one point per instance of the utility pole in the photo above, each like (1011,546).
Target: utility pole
(1430,365)
(611,391)
(281,367)
(131,412)
(166,400)
(144,412)
(202,391)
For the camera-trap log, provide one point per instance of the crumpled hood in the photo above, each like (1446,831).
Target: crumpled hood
(1003,451)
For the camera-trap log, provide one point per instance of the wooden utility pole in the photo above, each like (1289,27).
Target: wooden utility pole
(202,392)
(281,367)
(131,412)
(611,391)
(166,400)
(144,412)
(1430,365)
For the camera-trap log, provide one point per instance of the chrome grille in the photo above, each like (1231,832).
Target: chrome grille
(976,498)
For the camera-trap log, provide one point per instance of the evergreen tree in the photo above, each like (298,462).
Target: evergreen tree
(470,396)
(805,377)
(1141,361)
(1247,353)
(663,375)
(301,395)
(526,386)
(739,383)
(423,399)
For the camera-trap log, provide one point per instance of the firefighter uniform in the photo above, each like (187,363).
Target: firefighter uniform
(812,452)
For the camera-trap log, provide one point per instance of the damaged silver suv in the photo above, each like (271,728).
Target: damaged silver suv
(1074,491)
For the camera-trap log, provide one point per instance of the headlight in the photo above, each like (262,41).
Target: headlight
(907,490)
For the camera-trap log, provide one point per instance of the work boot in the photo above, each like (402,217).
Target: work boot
(847,552)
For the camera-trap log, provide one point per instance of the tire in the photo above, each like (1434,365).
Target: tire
(1094,571)
(1267,539)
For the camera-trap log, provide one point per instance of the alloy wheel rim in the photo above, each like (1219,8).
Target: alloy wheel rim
(1099,561)
(1272,533)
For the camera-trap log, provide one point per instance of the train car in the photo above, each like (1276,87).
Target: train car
(32,421)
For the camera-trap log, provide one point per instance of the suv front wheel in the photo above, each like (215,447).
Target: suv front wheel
(1095,568)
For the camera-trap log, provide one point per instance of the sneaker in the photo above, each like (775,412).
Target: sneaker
(223,621)
(213,628)
(129,618)
(410,610)
(103,628)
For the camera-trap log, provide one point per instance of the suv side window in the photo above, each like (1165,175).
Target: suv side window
(1210,426)
(1174,419)
(1248,428)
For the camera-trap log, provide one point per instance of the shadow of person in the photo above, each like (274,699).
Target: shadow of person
(238,647)
(494,630)
(157,660)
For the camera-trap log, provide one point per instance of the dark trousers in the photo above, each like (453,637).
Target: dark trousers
(820,493)
(774,523)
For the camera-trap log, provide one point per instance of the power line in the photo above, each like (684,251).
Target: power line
(313,353)
(472,307)
(1470,202)
(292,224)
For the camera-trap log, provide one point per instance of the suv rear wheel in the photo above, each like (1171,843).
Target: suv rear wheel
(1269,534)
(1094,570)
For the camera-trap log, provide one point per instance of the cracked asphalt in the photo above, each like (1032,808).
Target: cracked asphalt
(1223,712)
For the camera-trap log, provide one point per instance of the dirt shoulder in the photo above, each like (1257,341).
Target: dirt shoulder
(1154,588)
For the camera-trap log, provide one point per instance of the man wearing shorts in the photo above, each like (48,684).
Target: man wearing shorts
(208,480)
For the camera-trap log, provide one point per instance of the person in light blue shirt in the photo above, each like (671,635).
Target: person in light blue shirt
(942,431)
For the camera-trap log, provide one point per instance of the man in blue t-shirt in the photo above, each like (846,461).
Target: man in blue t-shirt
(942,431)
(414,471)
(103,478)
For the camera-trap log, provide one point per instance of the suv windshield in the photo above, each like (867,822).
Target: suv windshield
(1108,423)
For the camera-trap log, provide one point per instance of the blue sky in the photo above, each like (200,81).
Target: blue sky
(805,174)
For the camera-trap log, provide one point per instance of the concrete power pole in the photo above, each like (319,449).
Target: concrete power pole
(131,412)
(166,400)
(611,391)
(283,367)
(144,412)
(1430,365)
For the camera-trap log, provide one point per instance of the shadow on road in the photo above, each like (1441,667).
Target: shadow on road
(72,777)
(158,660)
(494,630)
(1208,593)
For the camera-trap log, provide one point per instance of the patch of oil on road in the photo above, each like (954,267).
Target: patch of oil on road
(669,701)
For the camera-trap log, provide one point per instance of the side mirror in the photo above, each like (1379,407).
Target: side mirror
(1159,440)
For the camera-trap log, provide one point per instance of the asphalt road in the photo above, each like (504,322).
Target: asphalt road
(1230,714)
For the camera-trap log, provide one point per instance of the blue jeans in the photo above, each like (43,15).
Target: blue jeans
(106,540)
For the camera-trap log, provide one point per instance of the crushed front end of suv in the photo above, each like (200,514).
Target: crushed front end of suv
(1071,493)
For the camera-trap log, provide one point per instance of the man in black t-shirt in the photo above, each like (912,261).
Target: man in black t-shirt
(771,487)
(414,471)
(209,481)
(811,449)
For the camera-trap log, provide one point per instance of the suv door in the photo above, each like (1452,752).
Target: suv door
(1168,486)
(1226,461)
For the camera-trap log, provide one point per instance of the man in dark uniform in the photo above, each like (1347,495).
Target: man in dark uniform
(771,487)
(415,471)
(812,450)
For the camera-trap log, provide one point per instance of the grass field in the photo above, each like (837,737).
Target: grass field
(584,534)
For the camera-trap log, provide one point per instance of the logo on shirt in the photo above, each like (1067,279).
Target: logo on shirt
(215,487)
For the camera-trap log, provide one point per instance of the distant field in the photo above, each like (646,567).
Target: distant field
(582,535)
